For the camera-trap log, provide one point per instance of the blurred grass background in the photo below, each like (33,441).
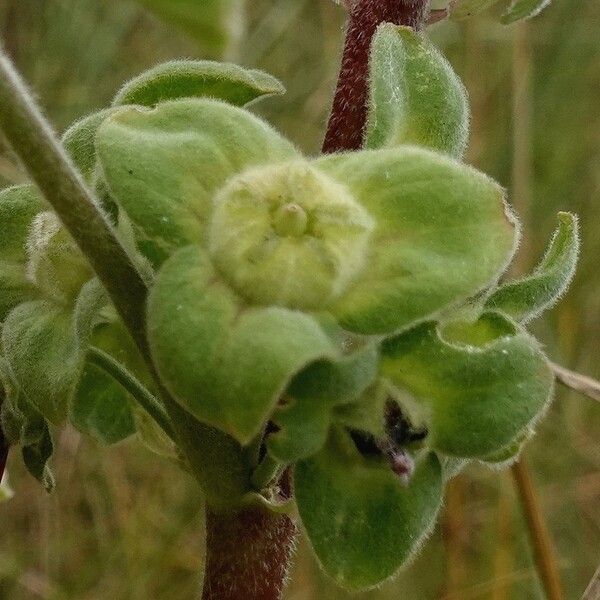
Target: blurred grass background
(124,524)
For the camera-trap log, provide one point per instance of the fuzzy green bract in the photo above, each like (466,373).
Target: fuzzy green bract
(479,385)
(198,78)
(415,95)
(362,523)
(259,238)
(311,400)
(19,206)
(78,141)
(227,363)
(100,406)
(443,232)
(526,298)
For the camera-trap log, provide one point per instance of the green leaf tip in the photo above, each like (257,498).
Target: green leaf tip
(526,298)
(523,9)
(78,140)
(194,78)
(479,385)
(362,522)
(415,95)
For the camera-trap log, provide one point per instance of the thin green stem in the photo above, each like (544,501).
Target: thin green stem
(130,383)
(48,165)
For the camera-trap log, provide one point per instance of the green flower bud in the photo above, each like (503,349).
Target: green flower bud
(288,235)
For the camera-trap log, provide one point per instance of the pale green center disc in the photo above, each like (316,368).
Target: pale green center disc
(288,235)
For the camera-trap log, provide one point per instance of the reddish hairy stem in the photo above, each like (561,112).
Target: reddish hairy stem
(345,130)
(248,554)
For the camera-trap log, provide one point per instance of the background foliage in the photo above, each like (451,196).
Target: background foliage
(125,525)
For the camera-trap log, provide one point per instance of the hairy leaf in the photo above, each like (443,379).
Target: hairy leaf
(164,165)
(507,456)
(225,363)
(415,95)
(526,298)
(361,521)
(523,9)
(101,407)
(37,454)
(480,385)
(198,78)
(42,353)
(55,264)
(18,207)
(442,234)
(79,140)
(23,425)
(304,418)
(44,344)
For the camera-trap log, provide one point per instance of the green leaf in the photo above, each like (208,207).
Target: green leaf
(79,140)
(55,264)
(469,8)
(198,78)
(225,363)
(415,95)
(42,354)
(214,24)
(523,9)
(507,456)
(480,385)
(23,425)
(18,207)
(443,232)
(362,522)
(163,166)
(526,298)
(452,466)
(36,456)
(44,344)
(101,407)
(304,418)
